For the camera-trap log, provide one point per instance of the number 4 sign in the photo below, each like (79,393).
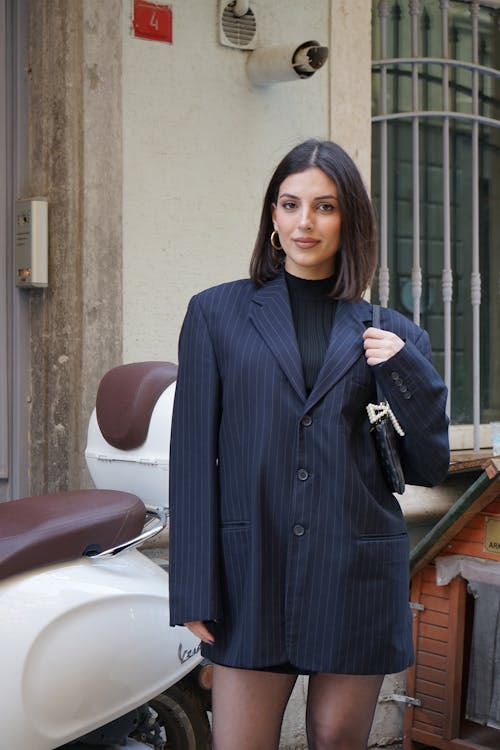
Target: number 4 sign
(152,21)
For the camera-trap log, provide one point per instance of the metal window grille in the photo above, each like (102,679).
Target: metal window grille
(436,87)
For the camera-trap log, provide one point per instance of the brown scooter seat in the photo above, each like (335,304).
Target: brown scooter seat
(126,397)
(46,529)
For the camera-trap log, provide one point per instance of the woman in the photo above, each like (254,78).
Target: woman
(289,554)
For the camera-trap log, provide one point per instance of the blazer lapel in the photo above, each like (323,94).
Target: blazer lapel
(345,347)
(272,317)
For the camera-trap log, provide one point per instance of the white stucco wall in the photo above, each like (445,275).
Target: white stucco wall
(200,143)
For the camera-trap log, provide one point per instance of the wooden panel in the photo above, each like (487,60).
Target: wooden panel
(477,522)
(429,735)
(478,497)
(458,595)
(427,718)
(425,687)
(437,619)
(435,603)
(470,539)
(432,704)
(493,509)
(432,647)
(435,661)
(429,574)
(433,631)
(471,549)
(428,674)
(432,589)
(469,534)
(468,460)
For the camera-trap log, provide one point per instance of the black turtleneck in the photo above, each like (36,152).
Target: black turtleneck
(312,312)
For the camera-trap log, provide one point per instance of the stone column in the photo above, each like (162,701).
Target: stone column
(75,157)
(350,80)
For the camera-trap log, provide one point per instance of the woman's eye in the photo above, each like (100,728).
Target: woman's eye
(326,207)
(288,205)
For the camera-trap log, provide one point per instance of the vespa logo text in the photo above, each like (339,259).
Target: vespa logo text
(186,653)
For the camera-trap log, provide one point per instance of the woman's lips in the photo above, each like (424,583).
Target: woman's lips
(305,242)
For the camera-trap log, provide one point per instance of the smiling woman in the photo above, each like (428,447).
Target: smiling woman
(288,552)
(338,180)
(308,220)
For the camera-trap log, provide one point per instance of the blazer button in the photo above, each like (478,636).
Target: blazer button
(407,395)
(302,474)
(395,375)
(306,420)
(299,530)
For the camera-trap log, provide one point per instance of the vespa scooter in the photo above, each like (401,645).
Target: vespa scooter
(87,655)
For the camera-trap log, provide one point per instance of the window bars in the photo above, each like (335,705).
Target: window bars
(445,116)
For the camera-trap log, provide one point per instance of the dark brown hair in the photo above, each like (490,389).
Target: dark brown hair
(356,258)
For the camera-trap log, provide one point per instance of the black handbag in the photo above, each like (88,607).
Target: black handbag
(386,432)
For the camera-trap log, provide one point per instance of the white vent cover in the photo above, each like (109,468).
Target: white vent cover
(239,32)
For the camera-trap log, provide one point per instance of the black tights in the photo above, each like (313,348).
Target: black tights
(248,708)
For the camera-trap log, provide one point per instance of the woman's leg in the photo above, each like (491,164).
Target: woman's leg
(340,710)
(248,708)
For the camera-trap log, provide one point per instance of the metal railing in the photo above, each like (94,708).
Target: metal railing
(446,115)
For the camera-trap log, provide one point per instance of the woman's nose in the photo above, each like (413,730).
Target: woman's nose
(305,219)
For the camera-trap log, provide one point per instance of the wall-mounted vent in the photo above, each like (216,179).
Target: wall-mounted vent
(239,32)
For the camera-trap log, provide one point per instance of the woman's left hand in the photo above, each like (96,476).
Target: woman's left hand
(380,345)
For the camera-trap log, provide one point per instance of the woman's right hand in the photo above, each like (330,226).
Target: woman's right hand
(200,630)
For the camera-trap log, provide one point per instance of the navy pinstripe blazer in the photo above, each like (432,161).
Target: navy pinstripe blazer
(284,536)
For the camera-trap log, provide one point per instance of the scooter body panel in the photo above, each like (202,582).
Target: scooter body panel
(92,642)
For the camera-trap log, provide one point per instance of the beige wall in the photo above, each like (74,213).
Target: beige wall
(154,159)
(200,143)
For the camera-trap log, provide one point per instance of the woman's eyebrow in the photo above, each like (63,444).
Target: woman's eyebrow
(317,198)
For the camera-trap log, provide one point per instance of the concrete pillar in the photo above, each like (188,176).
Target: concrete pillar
(350,80)
(76,162)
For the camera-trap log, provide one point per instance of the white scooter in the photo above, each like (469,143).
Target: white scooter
(87,657)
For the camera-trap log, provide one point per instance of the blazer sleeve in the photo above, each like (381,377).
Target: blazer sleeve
(417,395)
(194,487)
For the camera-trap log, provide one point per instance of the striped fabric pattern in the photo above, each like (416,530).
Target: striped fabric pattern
(284,536)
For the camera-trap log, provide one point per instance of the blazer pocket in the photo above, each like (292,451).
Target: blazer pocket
(234,525)
(383,537)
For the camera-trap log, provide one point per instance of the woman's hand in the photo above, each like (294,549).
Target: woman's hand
(200,630)
(380,345)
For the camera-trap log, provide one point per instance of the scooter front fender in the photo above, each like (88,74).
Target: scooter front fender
(81,644)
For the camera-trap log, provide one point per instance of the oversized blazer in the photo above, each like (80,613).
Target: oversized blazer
(284,536)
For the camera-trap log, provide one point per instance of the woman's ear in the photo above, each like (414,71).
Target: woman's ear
(273,215)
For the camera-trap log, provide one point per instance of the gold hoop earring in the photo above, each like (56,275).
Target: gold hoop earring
(275,234)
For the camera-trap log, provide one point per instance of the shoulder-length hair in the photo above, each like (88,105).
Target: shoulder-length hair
(356,259)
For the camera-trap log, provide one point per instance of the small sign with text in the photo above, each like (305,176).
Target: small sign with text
(152,21)
(492,536)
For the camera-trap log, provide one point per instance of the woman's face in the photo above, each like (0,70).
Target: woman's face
(308,220)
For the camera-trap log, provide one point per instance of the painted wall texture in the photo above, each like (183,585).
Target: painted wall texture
(199,144)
